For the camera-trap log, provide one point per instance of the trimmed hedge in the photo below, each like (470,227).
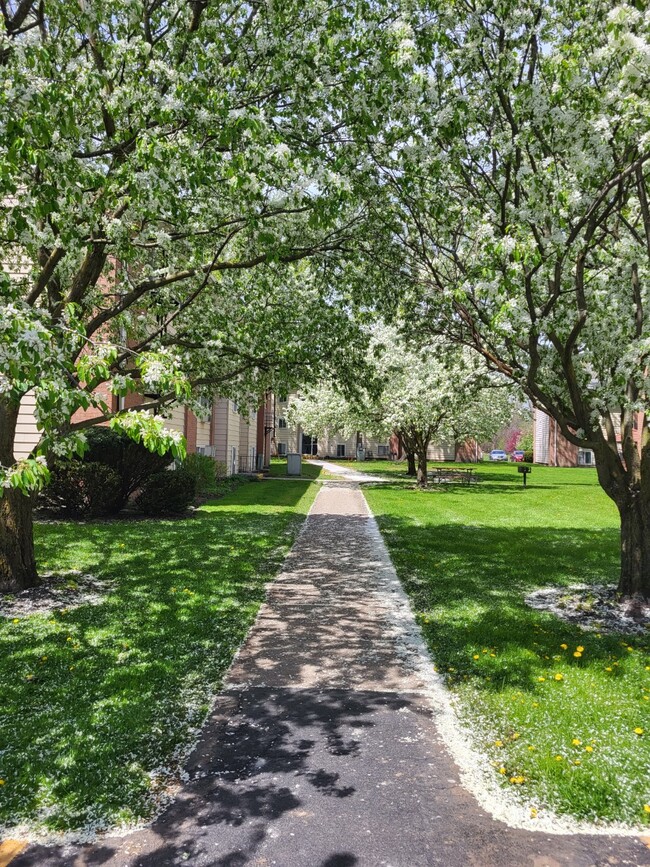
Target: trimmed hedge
(132,461)
(83,490)
(169,492)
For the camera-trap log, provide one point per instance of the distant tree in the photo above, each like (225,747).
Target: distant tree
(443,393)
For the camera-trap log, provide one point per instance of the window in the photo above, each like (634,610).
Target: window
(309,445)
(282,450)
(340,450)
(206,408)
(282,398)
(282,422)
(382,451)
(586,458)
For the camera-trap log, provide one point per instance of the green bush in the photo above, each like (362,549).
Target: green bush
(528,456)
(132,461)
(83,490)
(203,471)
(169,492)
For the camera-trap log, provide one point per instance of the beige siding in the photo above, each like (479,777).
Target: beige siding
(202,433)
(177,420)
(27,434)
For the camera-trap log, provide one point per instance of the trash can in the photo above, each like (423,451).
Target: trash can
(361,454)
(293,464)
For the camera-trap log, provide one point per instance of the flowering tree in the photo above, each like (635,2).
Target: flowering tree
(154,156)
(443,392)
(522,183)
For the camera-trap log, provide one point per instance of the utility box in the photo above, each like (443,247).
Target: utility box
(524,472)
(294,464)
(361,453)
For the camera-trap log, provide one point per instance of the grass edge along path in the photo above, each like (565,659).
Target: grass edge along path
(102,703)
(562,716)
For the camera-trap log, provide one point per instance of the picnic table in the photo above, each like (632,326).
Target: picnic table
(462,475)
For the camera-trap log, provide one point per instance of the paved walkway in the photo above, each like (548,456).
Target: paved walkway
(322,750)
(349,474)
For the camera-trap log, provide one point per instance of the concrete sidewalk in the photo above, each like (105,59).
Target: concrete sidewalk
(322,750)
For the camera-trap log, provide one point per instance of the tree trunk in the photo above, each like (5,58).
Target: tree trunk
(410,461)
(635,549)
(17,561)
(423,479)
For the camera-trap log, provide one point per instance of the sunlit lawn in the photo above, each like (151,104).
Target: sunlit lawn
(307,469)
(100,702)
(558,728)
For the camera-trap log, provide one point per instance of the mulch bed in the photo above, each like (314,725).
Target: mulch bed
(63,590)
(595,608)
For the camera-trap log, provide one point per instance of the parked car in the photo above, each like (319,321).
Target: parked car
(518,455)
(498,455)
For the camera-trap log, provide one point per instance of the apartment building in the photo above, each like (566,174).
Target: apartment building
(242,441)
(550,447)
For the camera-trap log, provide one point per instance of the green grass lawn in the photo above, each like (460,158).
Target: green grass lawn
(308,470)
(395,470)
(556,727)
(100,702)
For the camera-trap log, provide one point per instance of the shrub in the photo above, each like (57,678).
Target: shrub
(220,470)
(132,461)
(203,471)
(528,456)
(83,490)
(169,492)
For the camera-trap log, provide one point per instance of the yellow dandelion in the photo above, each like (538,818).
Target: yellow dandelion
(498,743)
(576,742)
(494,654)
(476,656)
(646,697)
(577,762)
(533,813)
(577,654)
(564,646)
(638,730)
(518,780)
(15,620)
(630,650)
(559,676)
(541,679)
(580,648)
(69,638)
(2,782)
(44,658)
(609,668)
(502,770)
(647,668)
(485,650)
(558,758)
(515,736)
(535,704)
(531,748)
(646,808)
(589,749)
